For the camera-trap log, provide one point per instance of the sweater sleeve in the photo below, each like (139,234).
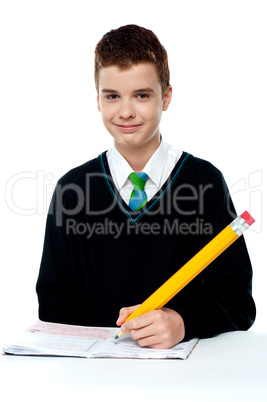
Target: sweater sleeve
(222,297)
(57,287)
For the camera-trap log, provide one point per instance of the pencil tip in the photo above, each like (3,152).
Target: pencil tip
(116,337)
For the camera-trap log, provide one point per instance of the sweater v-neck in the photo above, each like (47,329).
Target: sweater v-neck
(132,215)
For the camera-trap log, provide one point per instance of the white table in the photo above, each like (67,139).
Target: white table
(229,367)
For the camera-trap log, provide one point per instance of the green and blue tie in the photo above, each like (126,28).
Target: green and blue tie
(138,197)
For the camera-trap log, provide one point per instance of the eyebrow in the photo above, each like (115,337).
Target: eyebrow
(110,91)
(141,90)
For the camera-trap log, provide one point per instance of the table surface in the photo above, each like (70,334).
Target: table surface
(229,367)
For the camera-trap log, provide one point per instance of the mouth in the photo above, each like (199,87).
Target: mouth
(128,128)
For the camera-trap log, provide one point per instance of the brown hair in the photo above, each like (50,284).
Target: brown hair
(128,45)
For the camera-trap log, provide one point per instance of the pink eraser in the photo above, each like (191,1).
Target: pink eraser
(248,218)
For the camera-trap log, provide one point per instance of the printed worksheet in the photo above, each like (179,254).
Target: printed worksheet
(128,348)
(77,331)
(32,344)
(49,339)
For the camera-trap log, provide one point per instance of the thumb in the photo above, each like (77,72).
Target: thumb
(124,313)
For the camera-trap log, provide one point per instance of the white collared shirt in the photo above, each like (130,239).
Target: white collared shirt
(158,169)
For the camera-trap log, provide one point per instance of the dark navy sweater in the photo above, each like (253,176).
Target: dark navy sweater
(100,256)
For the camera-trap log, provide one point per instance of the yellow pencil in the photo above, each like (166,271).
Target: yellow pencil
(193,267)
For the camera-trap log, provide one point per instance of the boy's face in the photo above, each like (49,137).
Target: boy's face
(131,104)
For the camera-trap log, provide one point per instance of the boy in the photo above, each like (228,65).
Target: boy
(121,224)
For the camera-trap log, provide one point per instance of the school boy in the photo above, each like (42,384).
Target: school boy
(121,224)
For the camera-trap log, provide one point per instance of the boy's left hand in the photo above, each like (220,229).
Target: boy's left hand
(160,329)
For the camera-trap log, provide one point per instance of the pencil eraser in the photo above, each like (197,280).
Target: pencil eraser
(248,218)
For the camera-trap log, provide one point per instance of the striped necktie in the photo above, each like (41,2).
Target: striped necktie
(138,197)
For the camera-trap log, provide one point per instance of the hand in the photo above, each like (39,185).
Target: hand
(160,329)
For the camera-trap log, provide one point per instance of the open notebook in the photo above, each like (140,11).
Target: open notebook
(49,339)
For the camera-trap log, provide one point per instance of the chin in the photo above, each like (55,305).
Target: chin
(128,141)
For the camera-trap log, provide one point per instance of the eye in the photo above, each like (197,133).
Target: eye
(143,96)
(112,97)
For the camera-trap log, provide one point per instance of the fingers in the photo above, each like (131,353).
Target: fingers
(141,322)
(145,328)
(158,329)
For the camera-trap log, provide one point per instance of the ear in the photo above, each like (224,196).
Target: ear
(167,98)
(98,103)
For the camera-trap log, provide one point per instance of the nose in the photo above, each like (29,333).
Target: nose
(126,110)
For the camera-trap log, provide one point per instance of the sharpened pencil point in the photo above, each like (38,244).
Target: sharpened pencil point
(116,337)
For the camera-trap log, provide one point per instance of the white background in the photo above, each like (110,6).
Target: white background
(49,120)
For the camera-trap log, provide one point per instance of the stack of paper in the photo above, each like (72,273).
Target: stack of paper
(48,339)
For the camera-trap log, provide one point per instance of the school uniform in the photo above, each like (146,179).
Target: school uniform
(100,256)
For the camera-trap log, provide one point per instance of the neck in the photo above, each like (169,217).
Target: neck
(138,156)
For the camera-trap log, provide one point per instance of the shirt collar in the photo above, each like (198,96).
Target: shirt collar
(120,166)
(153,168)
(155,165)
